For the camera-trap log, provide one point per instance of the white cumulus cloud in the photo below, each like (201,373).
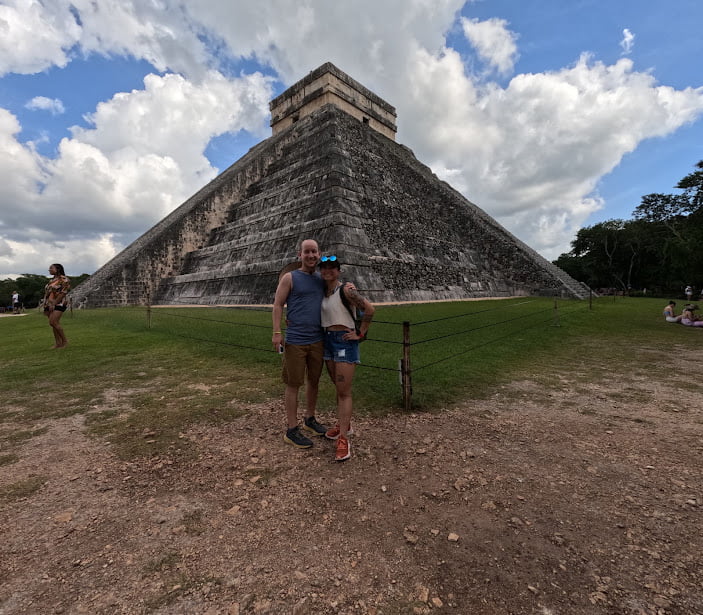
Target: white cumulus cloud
(529,152)
(35,35)
(76,255)
(42,103)
(627,42)
(493,41)
(21,172)
(532,153)
(140,158)
(157,31)
(367,39)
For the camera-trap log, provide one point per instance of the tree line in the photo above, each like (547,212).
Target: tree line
(30,287)
(660,249)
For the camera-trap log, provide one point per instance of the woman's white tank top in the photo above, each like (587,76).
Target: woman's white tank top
(334,312)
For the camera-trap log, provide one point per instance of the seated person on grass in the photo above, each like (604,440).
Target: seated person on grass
(669,313)
(689,317)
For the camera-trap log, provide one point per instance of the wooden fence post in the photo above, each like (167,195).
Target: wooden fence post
(405,369)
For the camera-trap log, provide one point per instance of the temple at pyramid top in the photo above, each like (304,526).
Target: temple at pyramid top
(329,85)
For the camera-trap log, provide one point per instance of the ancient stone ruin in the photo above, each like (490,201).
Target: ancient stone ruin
(331,171)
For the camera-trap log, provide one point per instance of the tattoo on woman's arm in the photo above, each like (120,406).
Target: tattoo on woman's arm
(354,296)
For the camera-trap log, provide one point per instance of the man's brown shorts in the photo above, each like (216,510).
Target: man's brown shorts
(299,359)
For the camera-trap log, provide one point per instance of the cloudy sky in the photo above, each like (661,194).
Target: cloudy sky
(550,115)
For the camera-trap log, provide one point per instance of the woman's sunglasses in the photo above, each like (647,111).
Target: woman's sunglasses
(328,259)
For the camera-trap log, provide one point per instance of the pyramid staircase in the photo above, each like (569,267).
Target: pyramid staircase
(400,232)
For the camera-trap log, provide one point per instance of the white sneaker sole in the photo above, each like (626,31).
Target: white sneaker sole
(349,433)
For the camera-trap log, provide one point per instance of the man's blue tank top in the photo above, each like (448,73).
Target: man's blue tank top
(303,311)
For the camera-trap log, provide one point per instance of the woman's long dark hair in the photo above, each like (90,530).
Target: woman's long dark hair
(59,268)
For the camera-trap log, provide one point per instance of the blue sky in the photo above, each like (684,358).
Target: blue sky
(549,115)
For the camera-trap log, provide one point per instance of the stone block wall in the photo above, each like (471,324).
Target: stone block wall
(400,232)
(135,274)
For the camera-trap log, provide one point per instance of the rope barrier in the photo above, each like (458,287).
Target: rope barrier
(200,339)
(375,339)
(457,354)
(541,322)
(246,308)
(491,309)
(251,308)
(387,369)
(387,322)
(441,337)
(226,322)
(406,324)
(246,324)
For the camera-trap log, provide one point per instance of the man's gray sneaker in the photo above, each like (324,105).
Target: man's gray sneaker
(314,428)
(294,437)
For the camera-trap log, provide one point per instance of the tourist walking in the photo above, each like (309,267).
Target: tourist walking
(301,291)
(342,346)
(55,302)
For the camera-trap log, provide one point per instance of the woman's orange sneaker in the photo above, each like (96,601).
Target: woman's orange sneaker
(343,449)
(333,432)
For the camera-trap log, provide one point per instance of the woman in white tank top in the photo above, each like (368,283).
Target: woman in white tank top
(341,346)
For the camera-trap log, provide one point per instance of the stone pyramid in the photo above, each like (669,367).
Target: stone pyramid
(332,171)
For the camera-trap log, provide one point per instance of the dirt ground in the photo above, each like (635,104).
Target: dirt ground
(561,499)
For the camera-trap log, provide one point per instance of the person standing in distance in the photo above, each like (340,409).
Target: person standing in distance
(302,291)
(55,302)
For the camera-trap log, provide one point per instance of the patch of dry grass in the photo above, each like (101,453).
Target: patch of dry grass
(22,488)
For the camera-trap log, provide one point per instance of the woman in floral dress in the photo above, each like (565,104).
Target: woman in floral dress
(55,302)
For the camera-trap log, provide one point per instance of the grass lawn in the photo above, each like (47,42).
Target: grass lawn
(196,365)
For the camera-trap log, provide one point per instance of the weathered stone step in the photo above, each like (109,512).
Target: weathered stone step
(400,233)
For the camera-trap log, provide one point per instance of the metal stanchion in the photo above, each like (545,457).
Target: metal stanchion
(556,322)
(405,372)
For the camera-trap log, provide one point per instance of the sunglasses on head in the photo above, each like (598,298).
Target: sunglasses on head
(328,259)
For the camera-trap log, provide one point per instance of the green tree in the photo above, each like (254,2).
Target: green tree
(30,287)
(604,253)
(692,185)
(666,208)
(659,249)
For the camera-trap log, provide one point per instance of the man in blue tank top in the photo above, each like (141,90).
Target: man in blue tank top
(302,290)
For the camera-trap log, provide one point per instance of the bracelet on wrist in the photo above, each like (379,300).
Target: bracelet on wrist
(277,332)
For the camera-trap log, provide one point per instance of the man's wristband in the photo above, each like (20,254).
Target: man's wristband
(276,332)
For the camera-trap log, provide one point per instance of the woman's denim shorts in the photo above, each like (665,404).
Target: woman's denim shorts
(340,350)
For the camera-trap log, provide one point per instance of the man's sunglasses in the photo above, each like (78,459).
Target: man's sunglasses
(328,259)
